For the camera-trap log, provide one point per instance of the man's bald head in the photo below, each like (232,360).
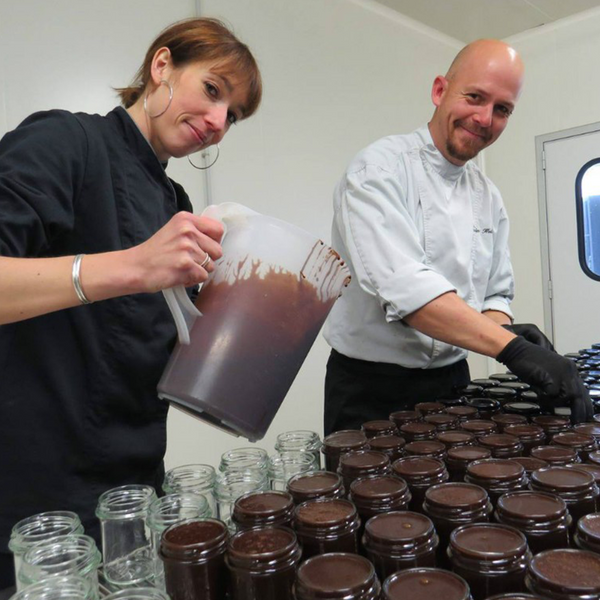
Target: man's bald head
(475,98)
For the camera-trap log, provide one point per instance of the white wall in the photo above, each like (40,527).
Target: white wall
(562,90)
(338,75)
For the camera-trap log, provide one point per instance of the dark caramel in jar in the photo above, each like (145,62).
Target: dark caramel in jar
(262,509)
(400,417)
(530,464)
(530,436)
(262,564)
(417,431)
(592,429)
(362,463)
(555,456)
(429,408)
(379,427)
(442,421)
(551,424)
(392,445)
(378,494)
(479,426)
(561,574)
(497,476)
(193,555)
(431,448)
(399,540)
(425,584)
(316,484)
(420,472)
(464,413)
(591,468)
(460,457)
(337,575)
(587,535)
(501,445)
(492,558)
(504,420)
(486,407)
(327,525)
(340,442)
(582,443)
(450,439)
(541,516)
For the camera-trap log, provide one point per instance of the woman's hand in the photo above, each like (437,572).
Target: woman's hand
(176,254)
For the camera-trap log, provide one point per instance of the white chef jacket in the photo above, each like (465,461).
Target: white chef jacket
(413,226)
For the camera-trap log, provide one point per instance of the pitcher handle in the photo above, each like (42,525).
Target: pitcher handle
(183,310)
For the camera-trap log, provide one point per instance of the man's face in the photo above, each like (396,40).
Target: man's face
(473,108)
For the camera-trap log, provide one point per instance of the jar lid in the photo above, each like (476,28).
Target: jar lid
(429,407)
(411,466)
(591,468)
(469,453)
(562,479)
(504,377)
(589,527)
(377,426)
(567,571)
(424,584)
(462,411)
(399,526)
(592,429)
(496,468)
(488,541)
(518,386)
(522,408)
(456,495)
(530,396)
(264,503)
(336,575)
(594,457)
(509,419)
(500,392)
(315,481)
(440,419)
(364,459)
(453,401)
(524,431)
(484,404)
(485,383)
(387,442)
(405,415)
(379,486)
(573,439)
(425,448)
(499,440)
(550,421)
(479,426)
(530,464)
(469,390)
(262,542)
(325,511)
(554,454)
(344,439)
(455,438)
(531,505)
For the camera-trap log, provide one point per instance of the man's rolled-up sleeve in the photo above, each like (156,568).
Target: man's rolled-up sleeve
(378,230)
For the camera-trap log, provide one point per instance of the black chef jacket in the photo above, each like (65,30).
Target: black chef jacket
(79,412)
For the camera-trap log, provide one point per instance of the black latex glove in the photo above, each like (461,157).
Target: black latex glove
(531,333)
(550,374)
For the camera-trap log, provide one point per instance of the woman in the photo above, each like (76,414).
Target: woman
(91,228)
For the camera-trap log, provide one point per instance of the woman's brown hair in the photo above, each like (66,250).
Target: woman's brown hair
(202,40)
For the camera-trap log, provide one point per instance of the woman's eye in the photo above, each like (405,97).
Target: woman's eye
(212,90)
(232,118)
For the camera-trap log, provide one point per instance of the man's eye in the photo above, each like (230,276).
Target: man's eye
(473,96)
(232,118)
(504,110)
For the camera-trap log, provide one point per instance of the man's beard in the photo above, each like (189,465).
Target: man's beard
(469,149)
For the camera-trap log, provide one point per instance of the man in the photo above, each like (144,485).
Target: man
(425,234)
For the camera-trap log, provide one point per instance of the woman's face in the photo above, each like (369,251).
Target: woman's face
(204,106)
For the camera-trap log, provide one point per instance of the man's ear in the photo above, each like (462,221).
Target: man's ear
(438,90)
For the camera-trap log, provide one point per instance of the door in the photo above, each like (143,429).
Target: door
(569,187)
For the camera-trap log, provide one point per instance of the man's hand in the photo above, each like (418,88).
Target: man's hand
(550,374)
(531,333)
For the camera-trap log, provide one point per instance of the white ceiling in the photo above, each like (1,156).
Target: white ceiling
(468,20)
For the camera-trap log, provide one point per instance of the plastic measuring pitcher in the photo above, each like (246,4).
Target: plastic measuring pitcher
(253,323)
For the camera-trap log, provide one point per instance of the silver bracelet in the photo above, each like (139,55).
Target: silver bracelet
(75,276)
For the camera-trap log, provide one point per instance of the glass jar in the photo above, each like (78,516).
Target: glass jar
(501,445)
(431,448)
(392,445)
(58,587)
(530,464)
(378,494)
(592,429)
(486,407)
(562,574)
(497,476)
(504,377)
(464,413)
(514,596)
(262,563)
(555,456)
(523,408)
(284,465)
(450,505)
(400,417)
(197,479)
(582,443)
(362,463)
(305,441)
(425,584)
(492,558)
(338,576)
(451,439)
(416,431)
(75,554)
(395,541)
(143,593)
(420,472)
(587,534)
(503,420)
(379,427)
(126,541)
(577,488)
(429,408)
(38,528)
(479,427)
(263,509)
(551,424)
(164,512)
(530,436)
(230,486)
(541,516)
(243,460)
(193,556)
(316,484)
(326,525)
(460,457)
(340,442)
(442,421)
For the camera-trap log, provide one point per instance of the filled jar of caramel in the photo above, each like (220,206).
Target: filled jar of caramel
(555,456)
(582,443)
(541,516)
(431,448)
(379,427)
(362,463)
(336,576)
(442,421)
(561,574)
(551,424)
(463,412)
(492,558)
(503,420)
(453,438)
(460,457)
(262,509)
(378,494)
(497,476)
(262,564)
(479,426)
(529,435)
(425,584)
(340,442)
(420,473)
(501,445)
(587,535)
(486,407)
(429,408)
(417,430)
(400,417)
(327,525)
(315,484)
(392,445)
(530,464)
(395,541)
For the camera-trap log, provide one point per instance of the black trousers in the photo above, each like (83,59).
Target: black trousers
(357,391)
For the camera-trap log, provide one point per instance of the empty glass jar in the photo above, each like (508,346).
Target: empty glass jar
(199,479)
(284,465)
(305,441)
(58,587)
(244,459)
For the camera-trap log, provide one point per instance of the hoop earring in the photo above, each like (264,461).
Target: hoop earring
(203,154)
(162,112)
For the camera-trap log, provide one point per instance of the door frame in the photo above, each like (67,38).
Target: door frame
(540,160)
